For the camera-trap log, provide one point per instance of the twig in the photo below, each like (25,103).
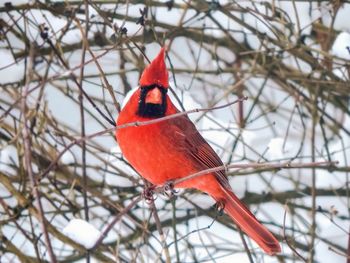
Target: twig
(286,165)
(246,248)
(348,250)
(82,115)
(176,115)
(131,124)
(285,237)
(194,231)
(74,78)
(82,118)
(313,179)
(28,158)
(340,253)
(174,224)
(102,75)
(160,188)
(115,220)
(160,231)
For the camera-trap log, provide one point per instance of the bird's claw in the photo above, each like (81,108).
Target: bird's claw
(169,189)
(148,194)
(220,207)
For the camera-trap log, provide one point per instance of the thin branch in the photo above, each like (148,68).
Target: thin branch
(28,159)
(160,231)
(115,220)
(286,165)
(286,239)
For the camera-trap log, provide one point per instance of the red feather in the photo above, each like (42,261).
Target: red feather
(156,72)
(174,149)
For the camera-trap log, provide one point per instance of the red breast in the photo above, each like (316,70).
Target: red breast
(171,149)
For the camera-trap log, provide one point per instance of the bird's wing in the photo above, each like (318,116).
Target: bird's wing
(190,141)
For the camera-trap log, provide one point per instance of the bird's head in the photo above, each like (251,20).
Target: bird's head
(154,84)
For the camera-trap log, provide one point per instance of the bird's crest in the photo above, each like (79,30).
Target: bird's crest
(156,72)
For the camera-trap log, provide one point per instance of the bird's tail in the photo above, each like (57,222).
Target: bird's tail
(248,223)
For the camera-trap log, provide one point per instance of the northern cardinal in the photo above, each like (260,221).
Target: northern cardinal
(172,149)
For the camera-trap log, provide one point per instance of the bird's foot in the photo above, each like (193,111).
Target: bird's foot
(168,189)
(220,207)
(148,193)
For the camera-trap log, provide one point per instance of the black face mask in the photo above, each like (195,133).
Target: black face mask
(151,110)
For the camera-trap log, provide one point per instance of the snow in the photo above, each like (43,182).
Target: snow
(341,73)
(248,137)
(115,160)
(5,159)
(342,16)
(9,68)
(215,135)
(8,157)
(192,96)
(82,232)
(275,148)
(67,158)
(341,46)
(128,96)
(14,2)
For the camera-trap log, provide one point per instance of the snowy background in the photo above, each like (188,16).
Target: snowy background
(290,58)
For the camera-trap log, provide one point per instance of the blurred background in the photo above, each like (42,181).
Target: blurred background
(65,68)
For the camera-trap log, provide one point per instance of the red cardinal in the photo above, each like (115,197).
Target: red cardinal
(172,149)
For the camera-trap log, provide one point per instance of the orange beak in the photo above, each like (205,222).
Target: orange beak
(154,96)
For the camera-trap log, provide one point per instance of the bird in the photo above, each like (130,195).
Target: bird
(168,150)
